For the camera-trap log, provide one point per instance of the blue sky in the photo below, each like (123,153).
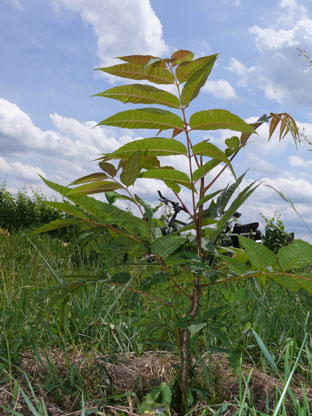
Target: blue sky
(49,48)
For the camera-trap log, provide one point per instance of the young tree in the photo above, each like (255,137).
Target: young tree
(181,256)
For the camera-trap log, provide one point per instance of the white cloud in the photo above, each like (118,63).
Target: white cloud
(220,88)
(280,72)
(62,154)
(297,161)
(122,27)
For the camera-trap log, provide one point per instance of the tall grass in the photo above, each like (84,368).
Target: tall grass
(45,338)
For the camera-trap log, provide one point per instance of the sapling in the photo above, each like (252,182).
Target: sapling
(180,265)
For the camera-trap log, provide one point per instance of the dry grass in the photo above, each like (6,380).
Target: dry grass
(133,373)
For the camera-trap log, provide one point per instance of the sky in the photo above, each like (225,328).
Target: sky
(50,48)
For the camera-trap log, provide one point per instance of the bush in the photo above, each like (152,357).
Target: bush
(275,235)
(23,212)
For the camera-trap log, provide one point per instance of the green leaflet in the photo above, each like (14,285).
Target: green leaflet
(219,119)
(235,265)
(55,224)
(206,167)
(227,194)
(137,59)
(155,146)
(131,169)
(94,188)
(155,74)
(90,178)
(233,142)
(186,69)
(181,56)
(259,255)
(104,212)
(238,201)
(298,254)
(210,150)
(68,208)
(112,196)
(294,282)
(140,93)
(207,197)
(196,82)
(144,118)
(171,175)
(108,168)
(166,245)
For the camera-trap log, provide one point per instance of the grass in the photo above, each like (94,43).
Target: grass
(52,348)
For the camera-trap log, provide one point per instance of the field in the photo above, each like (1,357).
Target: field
(85,353)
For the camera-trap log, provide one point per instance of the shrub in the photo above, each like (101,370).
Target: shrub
(22,212)
(275,235)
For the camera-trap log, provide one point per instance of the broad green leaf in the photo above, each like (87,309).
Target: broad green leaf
(167,244)
(195,82)
(186,69)
(90,178)
(294,282)
(147,208)
(166,394)
(149,162)
(154,146)
(206,167)
(137,59)
(112,196)
(105,213)
(173,186)
(144,118)
(94,188)
(207,198)
(219,119)
(68,208)
(298,254)
(131,169)
(210,150)
(233,142)
(181,56)
(154,74)
(168,175)
(259,255)
(139,93)
(235,265)
(55,224)
(108,168)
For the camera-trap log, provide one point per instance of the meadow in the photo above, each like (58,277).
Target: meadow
(85,352)
(113,311)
